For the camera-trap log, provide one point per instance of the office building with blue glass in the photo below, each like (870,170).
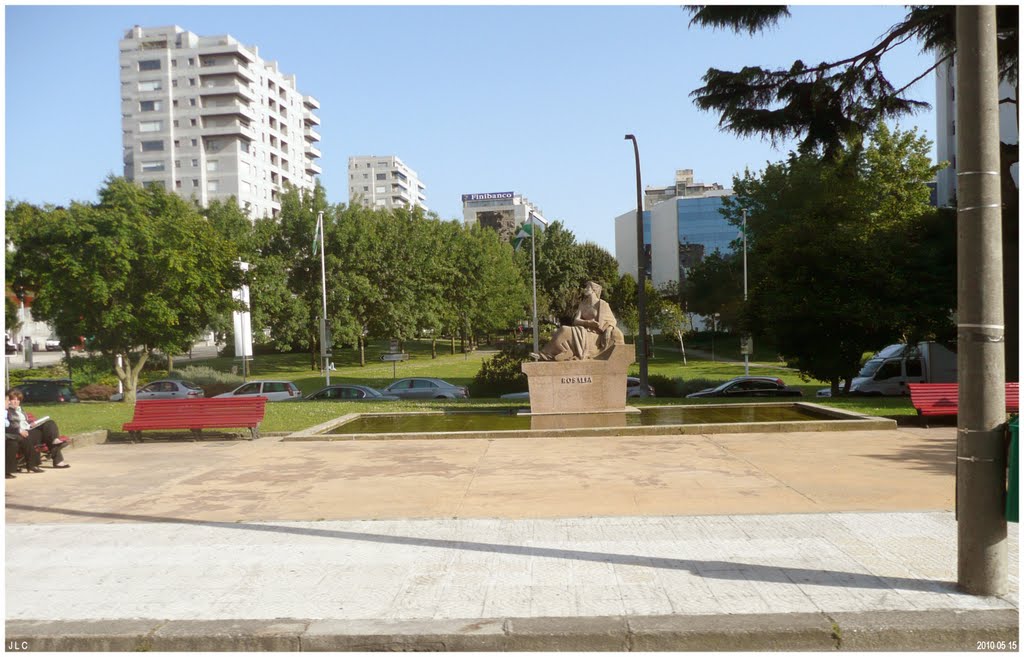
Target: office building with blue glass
(678,233)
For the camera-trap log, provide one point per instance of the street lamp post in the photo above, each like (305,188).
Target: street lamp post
(641,293)
(746,356)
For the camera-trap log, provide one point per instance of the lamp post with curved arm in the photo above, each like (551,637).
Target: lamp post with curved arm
(641,298)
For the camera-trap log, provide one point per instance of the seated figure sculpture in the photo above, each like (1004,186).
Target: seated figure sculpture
(592,334)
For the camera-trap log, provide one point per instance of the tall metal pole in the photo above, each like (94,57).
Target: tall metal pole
(641,292)
(533,258)
(746,356)
(981,450)
(323,285)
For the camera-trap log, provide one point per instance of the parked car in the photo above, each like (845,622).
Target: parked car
(52,344)
(633,387)
(10,346)
(750,386)
(425,389)
(47,390)
(272,390)
(165,389)
(351,392)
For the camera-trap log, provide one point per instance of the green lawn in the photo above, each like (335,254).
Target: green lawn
(458,369)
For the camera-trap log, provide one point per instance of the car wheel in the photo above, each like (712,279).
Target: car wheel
(441,397)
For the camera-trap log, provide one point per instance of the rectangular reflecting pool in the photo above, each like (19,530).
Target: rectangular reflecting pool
(511,420)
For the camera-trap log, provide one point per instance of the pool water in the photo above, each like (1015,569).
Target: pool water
(509,420)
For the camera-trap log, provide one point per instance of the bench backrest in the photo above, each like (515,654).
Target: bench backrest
(241,412)
(943,398)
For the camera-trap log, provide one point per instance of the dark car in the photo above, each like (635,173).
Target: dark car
(350,392)
(750,386)
(47,390)
(424,388)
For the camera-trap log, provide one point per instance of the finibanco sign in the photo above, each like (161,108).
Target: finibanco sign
(488,196)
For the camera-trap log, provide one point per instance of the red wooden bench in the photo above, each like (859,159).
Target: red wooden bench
(196,415)
(942,398)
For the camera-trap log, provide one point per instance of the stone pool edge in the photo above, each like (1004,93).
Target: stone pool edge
(843,421)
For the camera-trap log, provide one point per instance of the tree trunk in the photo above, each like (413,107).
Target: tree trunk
(129,375)
(433,347)
(681,347)
(67,357)
(170,363)
(362,351)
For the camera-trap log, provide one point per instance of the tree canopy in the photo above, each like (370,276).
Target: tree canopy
(139,270)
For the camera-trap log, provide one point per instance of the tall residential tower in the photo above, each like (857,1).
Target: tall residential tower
(384,181)
(207,118)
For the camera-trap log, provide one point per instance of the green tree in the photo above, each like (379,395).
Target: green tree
(830,107)
(140,270)
(715,285)
(560,271)
(829,254)
(599,265)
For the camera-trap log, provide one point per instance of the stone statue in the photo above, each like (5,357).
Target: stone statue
(593,332)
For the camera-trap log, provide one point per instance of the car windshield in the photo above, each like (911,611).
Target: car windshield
(190,385)
(871,367)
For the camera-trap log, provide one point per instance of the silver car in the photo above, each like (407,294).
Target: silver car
(418,388)
(350,392)
(272,390)
(165,389)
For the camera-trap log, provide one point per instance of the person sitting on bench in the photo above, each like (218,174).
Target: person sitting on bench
(45,433)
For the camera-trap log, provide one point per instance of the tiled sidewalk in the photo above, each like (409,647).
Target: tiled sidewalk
(479,568)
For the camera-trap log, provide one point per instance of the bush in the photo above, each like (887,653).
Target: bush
(502,373)
(665,386)
(696,385)
(205,375)
(95,392)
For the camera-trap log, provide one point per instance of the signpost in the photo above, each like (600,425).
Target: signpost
(394,358)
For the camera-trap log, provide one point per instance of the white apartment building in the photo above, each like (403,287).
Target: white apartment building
(384,182)
(207,118)
(504,212)
(945,129)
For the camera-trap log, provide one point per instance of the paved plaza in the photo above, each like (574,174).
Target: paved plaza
(360,539)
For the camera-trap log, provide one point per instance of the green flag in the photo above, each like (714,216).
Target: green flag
(525,232)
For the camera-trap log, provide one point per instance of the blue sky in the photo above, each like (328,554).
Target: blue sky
(531,99)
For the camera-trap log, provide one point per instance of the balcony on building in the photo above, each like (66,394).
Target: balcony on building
(310,134)
(219,127)
(312,168)
(313,151)
(310,119)
(225,84)
(227,47)
(310,102)
(226,67)
(226,105)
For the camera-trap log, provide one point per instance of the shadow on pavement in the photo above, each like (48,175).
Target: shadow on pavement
(728,570)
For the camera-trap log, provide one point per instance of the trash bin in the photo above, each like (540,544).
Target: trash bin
(1013,476)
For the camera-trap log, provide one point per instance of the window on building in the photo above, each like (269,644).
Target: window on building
(149,85)
(175,123)
(195,142)
(191,61)
(177,164)
(195,182)
(211,165)
(149,64)
(192,122)
(212,185)
(243,146)
(174,83)
(192,102)
(154,165)
(177,143)
(195,162)
(191,82)
(156,145)
(177,184)
(366,176)
(213,145)
(382,176)
(150,126)
(379,189)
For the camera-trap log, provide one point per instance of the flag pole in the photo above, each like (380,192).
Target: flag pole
(323,285)
(533,257)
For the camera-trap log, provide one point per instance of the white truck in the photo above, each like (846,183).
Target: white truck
(890,370)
